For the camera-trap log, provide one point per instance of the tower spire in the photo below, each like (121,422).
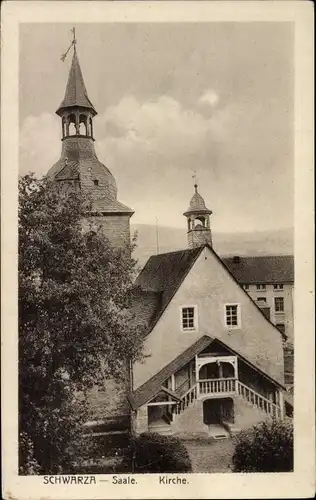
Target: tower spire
(198,217)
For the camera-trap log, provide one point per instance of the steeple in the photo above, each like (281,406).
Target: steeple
(76,93)
(198,217)
(76,110)
(79,166)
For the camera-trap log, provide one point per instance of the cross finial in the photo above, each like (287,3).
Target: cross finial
(195,180)
(73,43)
(74,39)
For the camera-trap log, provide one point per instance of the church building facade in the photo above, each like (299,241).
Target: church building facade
(214,361)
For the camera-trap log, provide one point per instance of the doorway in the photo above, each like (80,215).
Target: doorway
(217,411)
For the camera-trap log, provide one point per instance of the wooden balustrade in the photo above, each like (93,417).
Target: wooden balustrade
(220,385)
(226,386)
(258,400)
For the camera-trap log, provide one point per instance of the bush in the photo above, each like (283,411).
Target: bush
(151,452)
(267,447)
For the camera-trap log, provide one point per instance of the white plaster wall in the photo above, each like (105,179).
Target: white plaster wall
(209,286)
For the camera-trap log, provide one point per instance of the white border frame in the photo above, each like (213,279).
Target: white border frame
(300,483)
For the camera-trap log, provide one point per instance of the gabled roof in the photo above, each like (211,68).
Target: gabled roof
(261,269)
(76,92)
(162,275)
(165,273)
(152,386)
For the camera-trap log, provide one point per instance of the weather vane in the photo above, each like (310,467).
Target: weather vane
(73,43)
(195,178)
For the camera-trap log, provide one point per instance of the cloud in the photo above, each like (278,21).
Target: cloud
(39,143)
(162,127)
(153,146)
(210,97)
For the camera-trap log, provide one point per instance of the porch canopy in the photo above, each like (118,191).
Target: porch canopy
(146,392)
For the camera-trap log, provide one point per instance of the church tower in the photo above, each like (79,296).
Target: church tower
(198,217)
(79,167)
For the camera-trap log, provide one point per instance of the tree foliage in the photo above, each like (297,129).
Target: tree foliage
(153,453)
(267,447)
(75,322)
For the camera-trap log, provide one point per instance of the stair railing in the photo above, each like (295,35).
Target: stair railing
(258,400)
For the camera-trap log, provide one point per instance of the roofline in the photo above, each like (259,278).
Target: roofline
(202,211)
(117,212)
(211,340)
(73,107)
(285,337)
(180,366)
(249,363)
(267,282)
(177,288)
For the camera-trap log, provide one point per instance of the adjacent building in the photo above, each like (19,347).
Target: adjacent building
(269,280)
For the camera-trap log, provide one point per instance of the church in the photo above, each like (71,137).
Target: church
(214,359)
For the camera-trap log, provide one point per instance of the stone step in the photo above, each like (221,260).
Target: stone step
(218,431)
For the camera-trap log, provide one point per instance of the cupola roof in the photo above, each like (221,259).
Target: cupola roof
(76,92)
(197,204)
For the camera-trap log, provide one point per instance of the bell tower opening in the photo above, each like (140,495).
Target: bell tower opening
(79,165)
(198,221)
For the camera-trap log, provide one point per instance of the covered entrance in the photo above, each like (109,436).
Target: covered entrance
(217,411)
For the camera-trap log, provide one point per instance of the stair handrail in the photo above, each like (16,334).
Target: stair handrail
(188,391)
(257,394)
(215,379)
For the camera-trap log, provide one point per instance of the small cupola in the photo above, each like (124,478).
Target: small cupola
(198,220)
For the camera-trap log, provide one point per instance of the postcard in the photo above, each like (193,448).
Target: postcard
(157,250)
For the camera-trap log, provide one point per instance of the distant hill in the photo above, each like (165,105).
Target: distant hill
(225,244)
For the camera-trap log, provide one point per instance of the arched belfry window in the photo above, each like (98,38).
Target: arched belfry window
(83,130)
(72,124)
(199,221)
(63,124)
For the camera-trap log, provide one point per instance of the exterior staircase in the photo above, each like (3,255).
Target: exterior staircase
(254,406)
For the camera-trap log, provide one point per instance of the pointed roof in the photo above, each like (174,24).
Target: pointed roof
(76,92)
(197,204)
(152,386)
(163,275)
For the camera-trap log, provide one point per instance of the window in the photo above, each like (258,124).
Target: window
(280,327)
(232,315)
(246,287)
(278,287)
(189,318)
(279,304)
(96,182)
(261,287)
(261,299)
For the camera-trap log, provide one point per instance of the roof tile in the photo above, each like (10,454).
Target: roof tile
(261,269)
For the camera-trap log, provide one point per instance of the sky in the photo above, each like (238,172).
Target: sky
(173,99)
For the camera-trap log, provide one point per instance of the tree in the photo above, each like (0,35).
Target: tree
(267,447)
(75,321)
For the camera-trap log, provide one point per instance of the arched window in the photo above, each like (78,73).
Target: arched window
(199,221)
(72,125)
(63,124)
(83,125)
